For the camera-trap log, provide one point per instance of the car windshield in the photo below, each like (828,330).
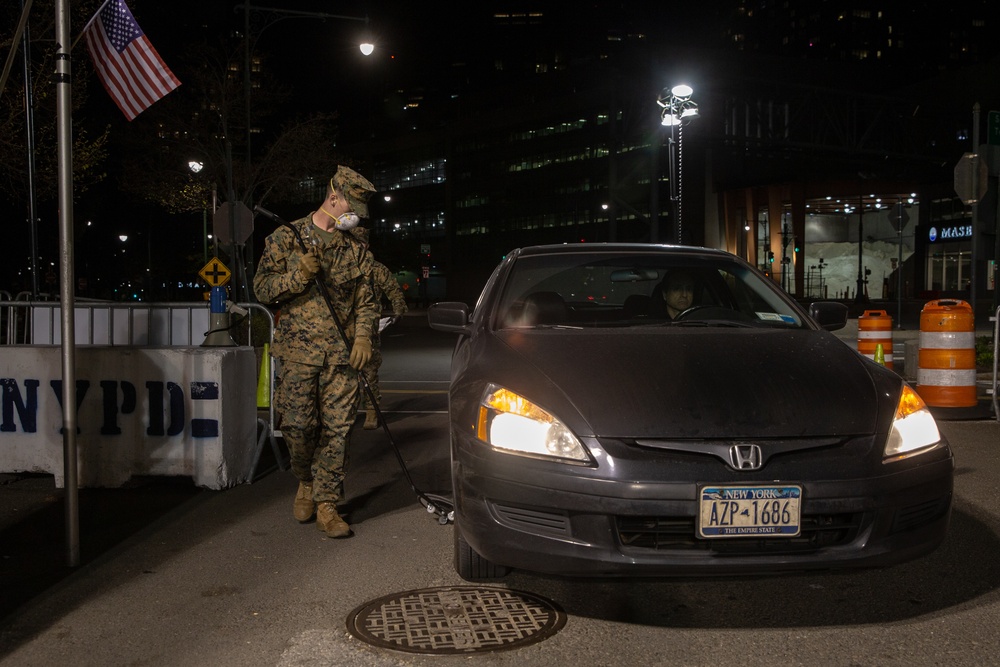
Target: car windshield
(640,289)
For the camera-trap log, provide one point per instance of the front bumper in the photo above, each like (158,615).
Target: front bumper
(614,521)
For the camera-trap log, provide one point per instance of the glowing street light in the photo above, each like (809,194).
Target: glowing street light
(677,109)
(366,46)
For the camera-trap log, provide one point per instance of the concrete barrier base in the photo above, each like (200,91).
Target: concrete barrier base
(170,411)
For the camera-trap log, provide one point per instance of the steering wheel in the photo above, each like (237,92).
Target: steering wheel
(687,311)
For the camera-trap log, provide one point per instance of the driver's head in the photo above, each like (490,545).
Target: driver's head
(678,291)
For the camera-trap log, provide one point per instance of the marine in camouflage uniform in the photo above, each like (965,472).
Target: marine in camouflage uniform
(317,392)
(385,286)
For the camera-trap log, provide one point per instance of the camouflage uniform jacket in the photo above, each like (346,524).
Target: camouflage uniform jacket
(385,284)
(306,333)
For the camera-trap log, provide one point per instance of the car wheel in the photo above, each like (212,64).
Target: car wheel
(471,566)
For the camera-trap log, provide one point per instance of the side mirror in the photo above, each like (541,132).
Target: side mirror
(449,316)
(829,314)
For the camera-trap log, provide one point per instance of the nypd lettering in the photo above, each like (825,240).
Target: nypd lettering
(159,405)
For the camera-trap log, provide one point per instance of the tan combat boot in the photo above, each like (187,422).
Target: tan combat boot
(330,522)
(371,420)
(304,507)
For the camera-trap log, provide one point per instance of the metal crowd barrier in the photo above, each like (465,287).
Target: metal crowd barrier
(130,324)
(138,324)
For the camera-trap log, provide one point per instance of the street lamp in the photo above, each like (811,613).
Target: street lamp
(366,47)
(195,166)
(677,109)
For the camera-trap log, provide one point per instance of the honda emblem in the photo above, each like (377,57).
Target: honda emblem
(745,456)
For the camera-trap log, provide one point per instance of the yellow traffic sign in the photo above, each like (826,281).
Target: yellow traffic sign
(215,273)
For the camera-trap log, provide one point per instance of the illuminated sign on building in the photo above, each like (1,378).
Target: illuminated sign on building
(949,233)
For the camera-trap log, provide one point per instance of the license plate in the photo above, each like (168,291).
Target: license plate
(749,511)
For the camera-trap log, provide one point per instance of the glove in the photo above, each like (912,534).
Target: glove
(361,353)
(309,264)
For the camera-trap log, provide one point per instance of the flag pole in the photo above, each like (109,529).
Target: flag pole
(92,19)
(64,135)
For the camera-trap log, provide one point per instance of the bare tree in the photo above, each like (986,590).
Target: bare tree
(205,121)
(89,138)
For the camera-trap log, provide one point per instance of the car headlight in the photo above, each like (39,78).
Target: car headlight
(913,428)
(511,423)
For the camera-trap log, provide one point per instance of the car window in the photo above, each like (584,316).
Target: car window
(627,290)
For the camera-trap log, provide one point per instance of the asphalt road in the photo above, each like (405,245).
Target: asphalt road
(174,575)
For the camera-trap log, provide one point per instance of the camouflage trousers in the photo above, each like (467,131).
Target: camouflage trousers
(318,405)
(370,371)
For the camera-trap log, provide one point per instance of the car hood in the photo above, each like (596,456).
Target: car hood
(697,383)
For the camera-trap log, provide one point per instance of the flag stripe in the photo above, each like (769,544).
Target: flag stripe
(158,78)
(111,75)
(129,67)
(138,76)
(114,75)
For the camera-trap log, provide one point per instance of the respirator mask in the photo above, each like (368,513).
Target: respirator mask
(347,221)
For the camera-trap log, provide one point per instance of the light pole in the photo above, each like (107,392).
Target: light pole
(123,238)
(366,47)
(195,166)
(821,266)
(677,109)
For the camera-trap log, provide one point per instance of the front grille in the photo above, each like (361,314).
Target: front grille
(659,533)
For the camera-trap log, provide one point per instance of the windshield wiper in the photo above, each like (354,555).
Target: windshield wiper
(713,323)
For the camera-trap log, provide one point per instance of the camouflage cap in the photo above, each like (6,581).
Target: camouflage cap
(360,233)
(355,187)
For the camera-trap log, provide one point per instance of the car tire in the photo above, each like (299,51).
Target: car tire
(473,567)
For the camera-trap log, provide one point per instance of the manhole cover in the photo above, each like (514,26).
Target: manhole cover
(456,619)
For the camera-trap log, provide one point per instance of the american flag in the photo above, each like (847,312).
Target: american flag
(129,67)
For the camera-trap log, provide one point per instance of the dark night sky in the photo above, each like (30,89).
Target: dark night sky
(416,41)
(426,43)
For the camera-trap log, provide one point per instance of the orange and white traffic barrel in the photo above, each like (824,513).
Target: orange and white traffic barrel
(874,329)
(946,373)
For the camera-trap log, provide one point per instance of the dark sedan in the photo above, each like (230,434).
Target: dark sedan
(654,410)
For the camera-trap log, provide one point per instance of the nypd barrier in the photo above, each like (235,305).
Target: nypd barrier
(140,411)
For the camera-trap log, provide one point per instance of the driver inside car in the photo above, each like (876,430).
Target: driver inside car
(673,295)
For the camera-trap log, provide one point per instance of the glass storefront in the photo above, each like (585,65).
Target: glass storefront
(949,249)
(949,266)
